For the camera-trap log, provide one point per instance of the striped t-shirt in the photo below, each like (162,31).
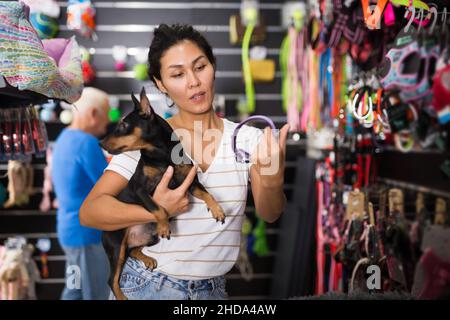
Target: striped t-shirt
(199,247)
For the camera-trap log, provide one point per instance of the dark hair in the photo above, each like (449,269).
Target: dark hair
(165,37)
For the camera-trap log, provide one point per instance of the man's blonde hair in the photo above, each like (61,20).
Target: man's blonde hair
(91,98)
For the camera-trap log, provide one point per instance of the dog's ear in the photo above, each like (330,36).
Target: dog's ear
(146,108)
(136,103)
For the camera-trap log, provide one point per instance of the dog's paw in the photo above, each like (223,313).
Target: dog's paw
(163,230)
(218,214)
(150,263)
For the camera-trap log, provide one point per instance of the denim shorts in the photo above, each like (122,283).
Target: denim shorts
(139,283)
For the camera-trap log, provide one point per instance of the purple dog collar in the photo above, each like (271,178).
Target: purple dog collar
(242,155)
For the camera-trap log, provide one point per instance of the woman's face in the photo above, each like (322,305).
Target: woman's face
(187,77)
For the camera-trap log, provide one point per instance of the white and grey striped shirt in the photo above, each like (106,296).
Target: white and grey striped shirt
(200,247)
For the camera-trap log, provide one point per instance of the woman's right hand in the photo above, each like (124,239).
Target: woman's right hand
(175,201)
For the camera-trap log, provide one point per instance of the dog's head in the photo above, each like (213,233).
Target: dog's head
(137,130)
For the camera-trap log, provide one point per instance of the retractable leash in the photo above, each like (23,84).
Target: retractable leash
(242,155)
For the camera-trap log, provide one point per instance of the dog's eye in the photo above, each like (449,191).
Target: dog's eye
(123,126)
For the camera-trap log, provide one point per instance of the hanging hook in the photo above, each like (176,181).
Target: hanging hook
(421,19)
(411,18)
(444,20)
(413,111)
(434,12)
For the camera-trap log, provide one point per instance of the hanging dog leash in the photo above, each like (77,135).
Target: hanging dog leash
(292,65)
(251,17)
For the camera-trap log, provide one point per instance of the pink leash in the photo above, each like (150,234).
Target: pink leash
(293,117)
(319,238)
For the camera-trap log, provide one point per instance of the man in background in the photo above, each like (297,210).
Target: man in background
(78,162)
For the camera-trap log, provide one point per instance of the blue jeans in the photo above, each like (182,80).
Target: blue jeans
(139,283)
(93,271)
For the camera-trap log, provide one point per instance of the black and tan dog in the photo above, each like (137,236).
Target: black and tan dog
(144,130)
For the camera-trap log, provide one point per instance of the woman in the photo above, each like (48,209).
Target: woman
(192,264)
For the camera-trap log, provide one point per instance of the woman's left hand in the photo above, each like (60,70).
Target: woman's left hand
(269,157)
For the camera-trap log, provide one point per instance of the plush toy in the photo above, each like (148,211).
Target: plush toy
(20,183)
(114,111)
(87,69)
(18,273)
(66,116)
(46,115)
(261,68)
(140,69)
(45,26)
(119,54)
(81,18)
(47,112)
(114,114)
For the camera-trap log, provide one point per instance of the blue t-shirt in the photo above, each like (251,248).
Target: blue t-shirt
(78,162)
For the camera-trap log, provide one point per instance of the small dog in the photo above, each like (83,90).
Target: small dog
(144,130)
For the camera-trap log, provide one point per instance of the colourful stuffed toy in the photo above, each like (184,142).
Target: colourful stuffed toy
(120,54)
(81,18)
(140,69)
(45,26)
(20,184)
(47,112)
(87,68)
(18,272)
(114,111)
